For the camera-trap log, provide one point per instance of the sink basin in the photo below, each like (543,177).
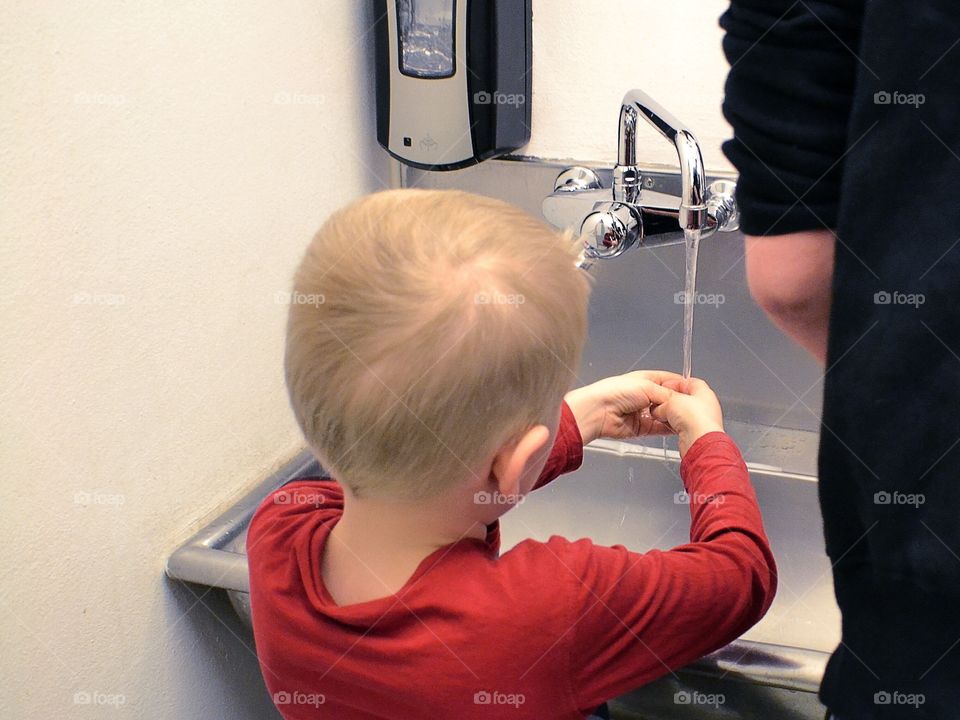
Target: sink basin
(625,493)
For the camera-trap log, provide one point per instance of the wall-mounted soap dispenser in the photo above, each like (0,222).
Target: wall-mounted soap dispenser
(453,79)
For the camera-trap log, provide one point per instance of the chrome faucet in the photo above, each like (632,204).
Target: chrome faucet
(638,212)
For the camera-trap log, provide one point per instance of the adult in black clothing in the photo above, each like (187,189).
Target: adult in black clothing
(846,117)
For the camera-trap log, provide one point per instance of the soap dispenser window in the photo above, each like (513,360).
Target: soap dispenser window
(427,37)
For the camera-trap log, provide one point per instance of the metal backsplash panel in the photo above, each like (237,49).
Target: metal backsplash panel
(636,317)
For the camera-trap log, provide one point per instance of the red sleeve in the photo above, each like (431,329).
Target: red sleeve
(635,616)
(567,452)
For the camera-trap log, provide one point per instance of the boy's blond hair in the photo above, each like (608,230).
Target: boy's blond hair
(426,330)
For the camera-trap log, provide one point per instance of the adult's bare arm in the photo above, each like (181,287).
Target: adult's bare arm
(788,98)
(790,277)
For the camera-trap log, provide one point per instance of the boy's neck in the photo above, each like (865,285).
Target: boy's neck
(376,546)
(413,526)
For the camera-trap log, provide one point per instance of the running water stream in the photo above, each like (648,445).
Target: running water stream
(691,243)
(691,246)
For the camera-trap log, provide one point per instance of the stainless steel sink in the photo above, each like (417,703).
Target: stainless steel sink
(624,492)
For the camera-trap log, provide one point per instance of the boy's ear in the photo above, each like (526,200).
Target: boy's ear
(510,464)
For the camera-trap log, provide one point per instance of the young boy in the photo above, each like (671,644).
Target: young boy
(430,374)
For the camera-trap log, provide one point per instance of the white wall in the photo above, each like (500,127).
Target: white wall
(162,166)
(587,54)
(159,181)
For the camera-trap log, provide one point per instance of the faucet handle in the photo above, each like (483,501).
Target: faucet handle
(577,179)
(609,230)
(722,205)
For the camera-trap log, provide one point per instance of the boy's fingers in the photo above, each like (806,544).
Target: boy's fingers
(659,412)
(696,386)
(675,384)
(687,386)
(658,427)
(657,394)
(658,376)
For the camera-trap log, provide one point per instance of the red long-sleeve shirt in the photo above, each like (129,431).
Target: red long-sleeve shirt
(547,630)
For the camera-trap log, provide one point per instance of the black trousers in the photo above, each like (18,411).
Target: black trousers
(890,442)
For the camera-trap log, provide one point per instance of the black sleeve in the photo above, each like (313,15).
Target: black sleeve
(788,98)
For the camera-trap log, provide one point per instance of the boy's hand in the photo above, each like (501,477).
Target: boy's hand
(620,407)
(692,411)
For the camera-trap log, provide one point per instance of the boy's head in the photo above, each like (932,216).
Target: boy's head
(426,330)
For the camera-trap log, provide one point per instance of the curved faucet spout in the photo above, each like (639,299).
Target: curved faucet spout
(693,213)
(643,211)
